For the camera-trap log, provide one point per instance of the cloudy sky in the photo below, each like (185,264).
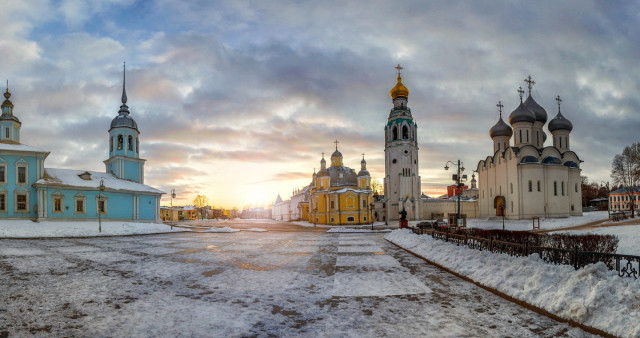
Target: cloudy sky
(237,100)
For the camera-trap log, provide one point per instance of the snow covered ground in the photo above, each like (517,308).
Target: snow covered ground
(291,284)
(545,223)
(29,229)
(593,295)
(629,236)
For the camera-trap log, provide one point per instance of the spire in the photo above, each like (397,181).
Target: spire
(124,81)
(124,109)
(530,83)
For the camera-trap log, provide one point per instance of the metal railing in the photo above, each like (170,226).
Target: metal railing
(624,265)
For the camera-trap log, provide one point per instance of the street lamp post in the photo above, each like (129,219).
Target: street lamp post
(173,195)
(608,202)
(99,206)
(458,178)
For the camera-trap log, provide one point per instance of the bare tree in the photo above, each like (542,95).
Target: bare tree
(200,202)
(625,171)
(376,187)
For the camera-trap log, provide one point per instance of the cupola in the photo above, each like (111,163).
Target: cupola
(560,122)
(521,113)
(399,90)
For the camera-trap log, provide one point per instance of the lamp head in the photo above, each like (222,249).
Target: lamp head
(446,167)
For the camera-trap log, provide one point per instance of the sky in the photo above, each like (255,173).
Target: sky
(236,100)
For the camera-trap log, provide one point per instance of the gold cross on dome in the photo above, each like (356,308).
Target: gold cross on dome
(399,68)
(336,142)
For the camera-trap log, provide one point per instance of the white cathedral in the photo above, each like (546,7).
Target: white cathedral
(525,179)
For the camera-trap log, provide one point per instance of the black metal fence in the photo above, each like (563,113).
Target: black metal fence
(625,265)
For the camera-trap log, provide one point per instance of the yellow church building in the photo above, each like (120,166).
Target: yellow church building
(339,196)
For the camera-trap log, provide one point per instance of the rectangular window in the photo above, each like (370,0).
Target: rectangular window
(21,202)
(562,185)
(332,205)
(3,202)
(22,174)
(555,188)
(101,206)
(6,133)
(3,173)
(79,206)
(530,186)
(364,204)
(57,204)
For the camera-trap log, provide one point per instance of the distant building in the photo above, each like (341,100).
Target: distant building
(28,190)
(337,195)
(625,199)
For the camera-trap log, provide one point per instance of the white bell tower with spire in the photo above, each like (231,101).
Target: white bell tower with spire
(402,178)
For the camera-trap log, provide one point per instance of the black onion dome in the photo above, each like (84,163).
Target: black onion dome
(522,114)
(560,123)
(541,114)
(500,129)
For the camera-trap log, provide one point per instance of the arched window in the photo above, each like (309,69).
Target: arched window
(130,142)
(562,185)
(555,188)
(394,133)
(560,142)
(137,145)
(511,188)
(110,143)
(405,133)
(576,187)
(539,185)
(120,142)
(530,186)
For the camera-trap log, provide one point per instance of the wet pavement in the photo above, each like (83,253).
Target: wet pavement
(296,282)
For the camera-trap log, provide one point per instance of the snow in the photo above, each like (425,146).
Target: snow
(30,229)
(545,223)
(347,230)
(592,296)
(629,236)
(70,178)
(245,284)
(21,147)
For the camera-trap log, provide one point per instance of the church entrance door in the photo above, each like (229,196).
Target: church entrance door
(498,203)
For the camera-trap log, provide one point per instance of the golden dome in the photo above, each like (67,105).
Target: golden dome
(399,89)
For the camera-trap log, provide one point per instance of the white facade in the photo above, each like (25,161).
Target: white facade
(527,179)
(402,180)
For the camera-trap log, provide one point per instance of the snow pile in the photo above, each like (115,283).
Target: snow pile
(30,229)
(254,229)
(545,223)
(345,230)
(592,296)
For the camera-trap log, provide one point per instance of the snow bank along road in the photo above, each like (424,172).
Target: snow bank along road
(245,284)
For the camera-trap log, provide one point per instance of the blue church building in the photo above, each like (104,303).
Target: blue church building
(28,190)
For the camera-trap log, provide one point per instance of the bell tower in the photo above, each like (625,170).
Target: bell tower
(402,179)
(124,146)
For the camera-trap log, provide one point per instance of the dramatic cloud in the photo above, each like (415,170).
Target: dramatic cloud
(237,100)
